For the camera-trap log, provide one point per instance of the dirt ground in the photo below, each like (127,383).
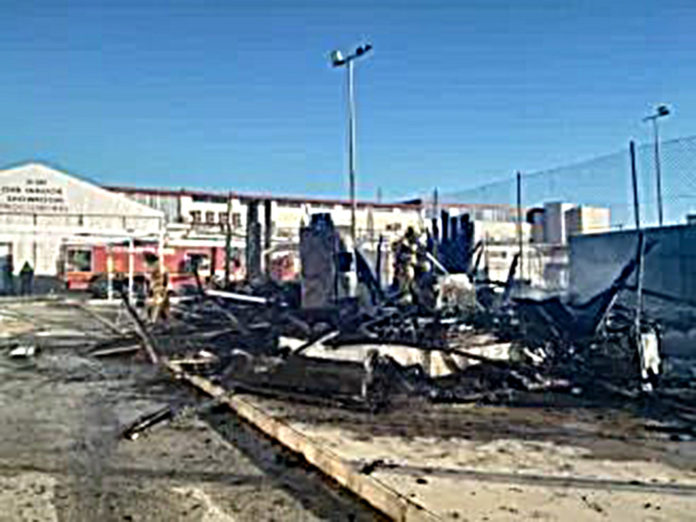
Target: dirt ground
(61,457)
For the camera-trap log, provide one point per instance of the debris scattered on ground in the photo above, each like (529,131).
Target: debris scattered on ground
(22,352)
(146,421)
(255,338)
(484,342)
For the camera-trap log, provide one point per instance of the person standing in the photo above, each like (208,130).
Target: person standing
(8,276)
(26,279)
(159,288)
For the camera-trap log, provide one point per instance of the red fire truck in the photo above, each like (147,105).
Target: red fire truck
(86,266)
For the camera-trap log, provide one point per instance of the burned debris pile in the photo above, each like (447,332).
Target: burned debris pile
(514,348)
(433,335)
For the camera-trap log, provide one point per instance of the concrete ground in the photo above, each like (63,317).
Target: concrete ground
(61,457)
(495,463)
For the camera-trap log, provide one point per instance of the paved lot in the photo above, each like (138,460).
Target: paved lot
(61,458)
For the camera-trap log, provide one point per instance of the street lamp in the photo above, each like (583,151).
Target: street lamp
(338,60)
(660,111)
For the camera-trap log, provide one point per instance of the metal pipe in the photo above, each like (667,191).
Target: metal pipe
(436,263)
(131,253)
(243,298)
(378,268)
(160,249)
(228,239)
(109,274)
(639,307)
(267,236)
(519,223)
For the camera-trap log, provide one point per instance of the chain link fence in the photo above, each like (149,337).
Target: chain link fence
(605,181)
(589,262)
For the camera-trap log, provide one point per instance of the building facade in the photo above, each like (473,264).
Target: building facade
(47,214)
(42,210)
(200,212)
(587,220)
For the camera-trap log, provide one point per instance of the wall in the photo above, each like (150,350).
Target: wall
(168,204)
(500,232)
(587,220)
(670,268)
(545,266)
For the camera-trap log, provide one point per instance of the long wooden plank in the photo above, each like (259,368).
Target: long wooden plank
(141,330)
(373,491)
(103,320)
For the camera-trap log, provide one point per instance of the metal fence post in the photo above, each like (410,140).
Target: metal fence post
(519,223)
(634,177)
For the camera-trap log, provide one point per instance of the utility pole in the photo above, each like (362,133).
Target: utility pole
(660,111)
(338,60)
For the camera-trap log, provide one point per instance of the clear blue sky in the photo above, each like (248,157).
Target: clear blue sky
(239,94)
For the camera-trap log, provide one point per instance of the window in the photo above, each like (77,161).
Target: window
(222,216)
(78,260)
(196,216)
(236,219)
(210,217)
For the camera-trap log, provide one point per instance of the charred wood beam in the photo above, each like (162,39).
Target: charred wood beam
(147,421)
(229,315)
(110,325)
(141,330)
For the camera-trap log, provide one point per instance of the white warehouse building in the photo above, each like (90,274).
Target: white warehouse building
(42,208)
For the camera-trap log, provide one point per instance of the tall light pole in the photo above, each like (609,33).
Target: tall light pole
(338,60)
(660,111)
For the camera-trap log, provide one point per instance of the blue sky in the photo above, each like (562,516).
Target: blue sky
(239,95)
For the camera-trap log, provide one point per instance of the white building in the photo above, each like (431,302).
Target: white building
(555,231)
(195,212)
(41,208)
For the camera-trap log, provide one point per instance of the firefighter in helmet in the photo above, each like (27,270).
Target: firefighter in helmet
(158,306)
(425,287)
(413,275)
(405,261)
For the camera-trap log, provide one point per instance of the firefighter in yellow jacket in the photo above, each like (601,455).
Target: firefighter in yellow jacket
(413,275)
(158,306)
(405,260)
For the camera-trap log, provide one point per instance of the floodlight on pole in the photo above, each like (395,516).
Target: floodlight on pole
(660,112)
(338,60)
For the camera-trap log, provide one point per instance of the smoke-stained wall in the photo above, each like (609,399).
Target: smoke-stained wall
(670,268)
